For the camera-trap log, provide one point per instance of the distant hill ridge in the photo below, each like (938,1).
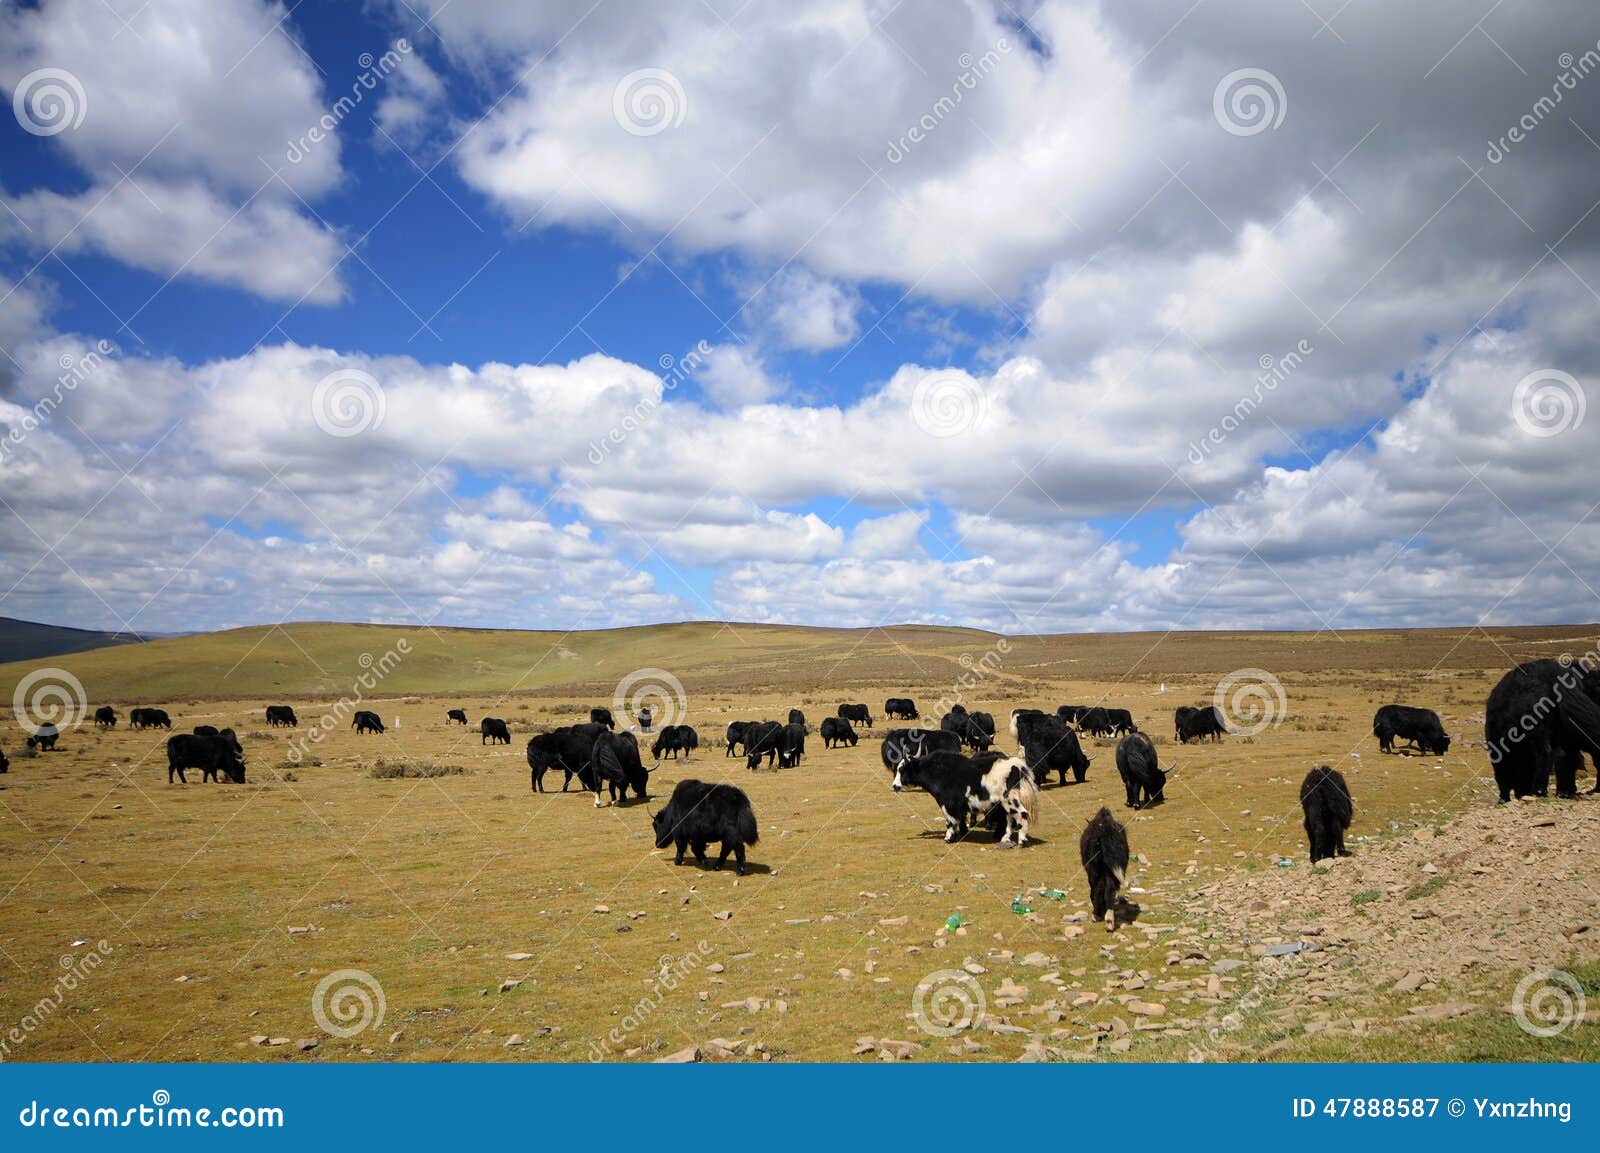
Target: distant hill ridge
(30,641)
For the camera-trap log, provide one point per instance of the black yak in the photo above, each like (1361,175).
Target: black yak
(616,762)
(980,730)
(736,731)
(456,716)
(762,739)
(218,757)
(837,731)
(366,722)
(569,749)
(5,765)
(796,717)
(1419,726)
(900,709)
(106,717)
(964,786)
(206,731)
(1047,743)
(1540,719)
(1103,849)
(675,739)
(791,746)
(493,729)
(44,738)
(602,717)
(856,714)
(698,813)
(1140,770)
(1200,723)
(282,715)
(900,745)
(1326,800)
(149,719)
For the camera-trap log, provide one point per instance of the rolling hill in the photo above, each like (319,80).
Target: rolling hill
(28,640)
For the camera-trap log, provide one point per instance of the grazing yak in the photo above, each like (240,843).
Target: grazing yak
(1196,724)
(900,709)
(762,739)
(837,731)
(616,762)
(1103,849)
(493,729)
(736,731)
(965,786)
(5,765)
(698,813)
(1325,797)
(1140,770)
(456,717)
(366,722)
(675,739)
(282,715)
(1540,720)
(900,745)
(1048,744)
(602,717)
(106,717)
(568,749)
(206,731)
(1419,726)
(149,719)
(44,738)
(1103,722)
(218,758)
(791,746)
(856,714)
(796,717)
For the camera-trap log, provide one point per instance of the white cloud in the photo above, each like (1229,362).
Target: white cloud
(732,375)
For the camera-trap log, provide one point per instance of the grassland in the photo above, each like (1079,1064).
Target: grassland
(503,924)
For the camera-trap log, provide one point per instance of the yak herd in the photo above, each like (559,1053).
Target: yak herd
(1540,720)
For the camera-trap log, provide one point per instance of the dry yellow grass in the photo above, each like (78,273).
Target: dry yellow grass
(432,884)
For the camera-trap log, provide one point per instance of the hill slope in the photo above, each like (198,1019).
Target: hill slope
(309,660)
(30,641)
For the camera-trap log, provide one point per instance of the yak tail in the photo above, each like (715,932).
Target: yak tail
(746,825)
(1027,790)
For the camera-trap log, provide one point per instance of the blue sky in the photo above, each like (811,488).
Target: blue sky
(1085,253)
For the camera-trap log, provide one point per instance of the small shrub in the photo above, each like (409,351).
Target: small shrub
(388,770)
(1365,897)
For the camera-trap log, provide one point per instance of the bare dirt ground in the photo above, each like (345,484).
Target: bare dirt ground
(493,923)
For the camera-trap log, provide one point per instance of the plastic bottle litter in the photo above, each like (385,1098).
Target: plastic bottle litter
(1053,894)
(1018,907)
(953,922)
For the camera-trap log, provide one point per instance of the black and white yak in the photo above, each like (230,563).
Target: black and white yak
(964,787)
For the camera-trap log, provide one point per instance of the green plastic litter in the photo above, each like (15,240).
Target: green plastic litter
(954,921)
(1018,907)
